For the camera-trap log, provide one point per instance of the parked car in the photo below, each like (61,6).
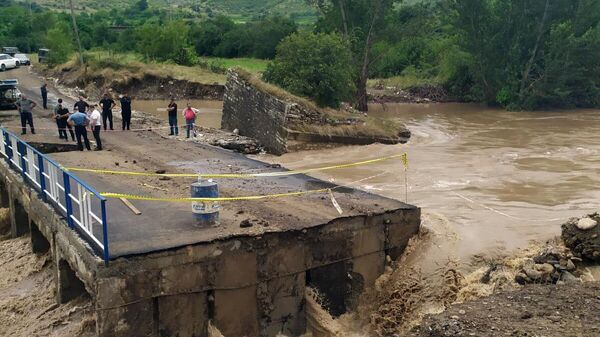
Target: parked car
(23,59)
(7,62)
(43,55)
(9,94)
(10,51)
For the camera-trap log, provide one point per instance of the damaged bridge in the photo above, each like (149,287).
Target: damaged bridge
(159,274)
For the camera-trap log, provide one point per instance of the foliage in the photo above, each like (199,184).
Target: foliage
(223,38)
(59,38)
(318,66)
(529,54)
(165,42)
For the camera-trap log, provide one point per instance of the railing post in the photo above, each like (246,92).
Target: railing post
(42,178)
(20,149)
(9,149)
(68,201)
(105,232)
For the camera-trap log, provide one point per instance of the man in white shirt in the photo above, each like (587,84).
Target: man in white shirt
(96,125)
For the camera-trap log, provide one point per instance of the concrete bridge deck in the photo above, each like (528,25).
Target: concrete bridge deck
(168,277)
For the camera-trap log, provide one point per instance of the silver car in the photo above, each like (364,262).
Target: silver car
(23,59)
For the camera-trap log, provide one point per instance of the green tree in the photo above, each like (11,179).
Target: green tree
(59,40)
(141,5)
(164,42)
(360,22)
(528,54)
(318,66)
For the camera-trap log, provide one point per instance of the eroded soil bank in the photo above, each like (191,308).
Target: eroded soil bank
(141,85)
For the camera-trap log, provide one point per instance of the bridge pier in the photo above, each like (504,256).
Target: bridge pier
(68,285)
(19,218)
(39,244)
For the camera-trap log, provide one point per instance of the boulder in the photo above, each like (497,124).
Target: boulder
(586,223)
(583,243)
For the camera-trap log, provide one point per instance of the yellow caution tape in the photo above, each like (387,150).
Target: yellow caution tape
(241,175)
(253,197)
(405,161)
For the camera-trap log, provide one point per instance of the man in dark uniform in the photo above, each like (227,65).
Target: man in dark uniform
(126,111)
(107,105)
(61,114)
(44,91)
(81,105)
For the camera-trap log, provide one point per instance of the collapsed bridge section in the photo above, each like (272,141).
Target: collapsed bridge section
(159,275)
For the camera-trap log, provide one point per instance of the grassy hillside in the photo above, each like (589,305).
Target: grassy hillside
(238,10)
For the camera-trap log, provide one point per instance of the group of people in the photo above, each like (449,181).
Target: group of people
(86,115)
(189,114)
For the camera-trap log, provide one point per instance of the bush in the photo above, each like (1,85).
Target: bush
(317,66)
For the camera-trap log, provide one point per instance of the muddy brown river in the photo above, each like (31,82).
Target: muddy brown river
(488,180)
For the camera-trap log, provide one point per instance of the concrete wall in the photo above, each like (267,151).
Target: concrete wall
(250,286)
(254,113)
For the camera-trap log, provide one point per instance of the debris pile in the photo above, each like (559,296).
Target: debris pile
(582,236)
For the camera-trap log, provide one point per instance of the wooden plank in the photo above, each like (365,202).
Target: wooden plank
(131,207)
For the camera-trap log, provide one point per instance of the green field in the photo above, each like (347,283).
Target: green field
(249,64)
(238,10)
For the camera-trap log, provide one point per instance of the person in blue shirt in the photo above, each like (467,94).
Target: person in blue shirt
(80,120)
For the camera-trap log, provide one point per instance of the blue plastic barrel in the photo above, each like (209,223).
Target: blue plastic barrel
(206,213)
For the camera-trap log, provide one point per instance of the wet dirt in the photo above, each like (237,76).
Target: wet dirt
(536,310)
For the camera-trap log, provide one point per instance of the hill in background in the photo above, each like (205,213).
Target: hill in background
(238,10)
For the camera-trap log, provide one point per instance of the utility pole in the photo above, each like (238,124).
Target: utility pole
(30,28)
(76,34)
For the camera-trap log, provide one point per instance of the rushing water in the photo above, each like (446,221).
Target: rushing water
(487,180)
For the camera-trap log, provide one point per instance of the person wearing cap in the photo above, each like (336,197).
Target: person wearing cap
(126,111)
(61,114)
(80,120)
(107,105)
(25,107)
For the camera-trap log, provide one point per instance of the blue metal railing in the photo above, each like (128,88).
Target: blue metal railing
(83,207)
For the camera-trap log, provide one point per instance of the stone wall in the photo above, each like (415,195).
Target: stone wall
(254,113)
(274,117)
